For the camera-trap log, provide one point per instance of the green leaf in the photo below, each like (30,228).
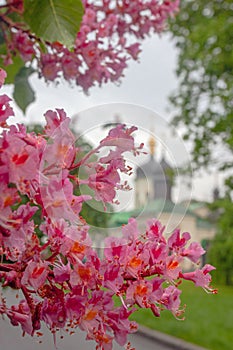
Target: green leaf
(11,69)
(23,92)
(54,20)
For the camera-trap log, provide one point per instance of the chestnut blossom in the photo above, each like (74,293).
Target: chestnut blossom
(5,110)
(45,248)
(2,77)
(110,34)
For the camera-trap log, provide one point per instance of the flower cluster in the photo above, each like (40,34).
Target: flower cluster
(47,254)
(110,34)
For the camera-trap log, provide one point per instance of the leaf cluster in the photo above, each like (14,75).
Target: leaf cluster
(203,34)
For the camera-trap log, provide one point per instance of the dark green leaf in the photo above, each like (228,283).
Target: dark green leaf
(23,93)
(12,69)
(54,20)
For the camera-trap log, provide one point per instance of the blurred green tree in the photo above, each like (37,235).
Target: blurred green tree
(203,103)
(203,35)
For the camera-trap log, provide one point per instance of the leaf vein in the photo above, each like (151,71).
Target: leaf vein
(56,19)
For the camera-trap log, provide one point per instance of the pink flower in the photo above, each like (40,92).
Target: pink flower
(62,272)
(194,252)
(121,137)
(90,320)
(75,304)
(103,340)
(95,309)
(58,199)
(90,52)
(20,314)
(70,64)
(134,50)
(24,45)
(136,262)
(35,274)
(60,151)
(8,196)
(115,249)
(84,274)
(75,242)
(113,279)
(89,17)
(173,268)
(18,232)
(139,292)
(50,66)
(115,159)
(3,76)
(55,119)
(176,243)
(130,231)
(201,277)
(21,158)
(158,254)
(171,299)
(85,80)
(155,231)
(53,310)
(121,325)
(5,110)
(104,183)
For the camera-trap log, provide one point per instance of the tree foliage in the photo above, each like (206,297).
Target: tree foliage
(203,33)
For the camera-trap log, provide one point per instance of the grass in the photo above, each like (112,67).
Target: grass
(208,318)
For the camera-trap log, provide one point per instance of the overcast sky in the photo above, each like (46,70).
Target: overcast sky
(141,99)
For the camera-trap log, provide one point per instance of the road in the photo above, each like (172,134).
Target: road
(11,339)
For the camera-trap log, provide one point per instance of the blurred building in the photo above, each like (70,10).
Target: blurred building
(153,179)
(154,184)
